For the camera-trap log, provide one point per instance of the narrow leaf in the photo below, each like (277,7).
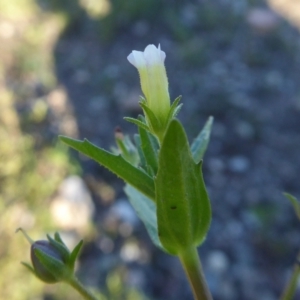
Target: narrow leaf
(138,144)
(200,143)
(146,210)
(294,202)
(183,207)
(137,122)
(149,147)
(116,164)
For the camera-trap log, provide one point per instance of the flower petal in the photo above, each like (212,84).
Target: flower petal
(137,59)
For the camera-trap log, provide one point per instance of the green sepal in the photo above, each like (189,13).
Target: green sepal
(296,204)
(200,143)
(137,122)
(149,147)
(54,266)
(183,206)
(59,239)
(149,113)
(142,99)
(154,124)
(146,210)
(74,254)
(28,267)
(116,164)
(175,108)
(60,247)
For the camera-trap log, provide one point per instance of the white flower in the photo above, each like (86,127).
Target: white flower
(154,82)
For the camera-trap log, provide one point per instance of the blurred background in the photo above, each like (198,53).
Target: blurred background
(63,70)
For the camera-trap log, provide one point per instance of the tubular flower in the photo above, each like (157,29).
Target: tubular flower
(154,81)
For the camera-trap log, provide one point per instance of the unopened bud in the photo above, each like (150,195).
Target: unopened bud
(43,257)
(51,260)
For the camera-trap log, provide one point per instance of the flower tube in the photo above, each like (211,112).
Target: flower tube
(154,81)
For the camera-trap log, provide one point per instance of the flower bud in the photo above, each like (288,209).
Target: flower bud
(43,257)
(51,260)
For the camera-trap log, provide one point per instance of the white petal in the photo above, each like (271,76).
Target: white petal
(137,59)
(152,55)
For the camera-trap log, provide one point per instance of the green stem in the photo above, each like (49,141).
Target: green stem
(77,285)
(192,266)
(291,286)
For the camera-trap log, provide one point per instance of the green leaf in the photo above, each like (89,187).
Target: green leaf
(146,211)
(138,144)
(294,202)
(183,207)
(200,143)
(137,122)
(116,164)
(149,147)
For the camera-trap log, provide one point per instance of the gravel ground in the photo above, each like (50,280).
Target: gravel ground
(226,65)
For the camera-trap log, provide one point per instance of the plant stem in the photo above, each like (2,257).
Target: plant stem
(77,285)
(192,266)
(291,286)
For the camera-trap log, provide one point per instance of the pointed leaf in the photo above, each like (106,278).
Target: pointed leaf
(183,207)
(137,122)
(116,164)
(149,147)
(138,144)
(74,254)
(146,211)
(294,202)
(200,143)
